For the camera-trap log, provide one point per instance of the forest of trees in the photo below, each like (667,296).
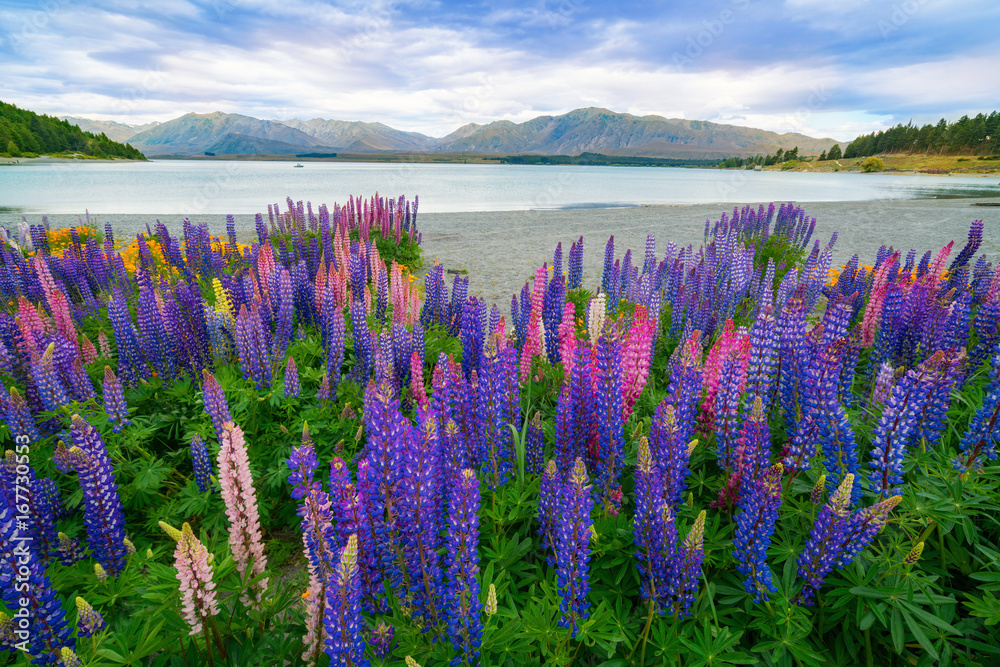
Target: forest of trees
(26,133)
(966,136)
(779,156)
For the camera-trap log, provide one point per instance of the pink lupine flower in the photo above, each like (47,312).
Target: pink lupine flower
(635,358)
(58,303)
(241,507)
(732,341)
(194,572)
(567,337)
(103,345)
(417,379)
(87,350)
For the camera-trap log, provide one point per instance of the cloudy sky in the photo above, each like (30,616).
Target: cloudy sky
(823,67)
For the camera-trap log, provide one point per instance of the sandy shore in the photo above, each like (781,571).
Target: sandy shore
(500,249)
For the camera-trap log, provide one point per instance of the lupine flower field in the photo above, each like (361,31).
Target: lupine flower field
(286,449)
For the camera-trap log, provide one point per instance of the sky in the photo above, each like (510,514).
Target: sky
(826,68)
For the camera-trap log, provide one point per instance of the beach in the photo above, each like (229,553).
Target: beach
(500,249)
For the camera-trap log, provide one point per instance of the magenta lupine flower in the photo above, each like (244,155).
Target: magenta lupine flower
(572,537)
(323,393)
(215,402)
(344,642)
(461,591)
(241,508)
(567,336)
(292,386)
(194,572)
(114,401)
(417,387)
(104,516)
(826,541)
(636,357)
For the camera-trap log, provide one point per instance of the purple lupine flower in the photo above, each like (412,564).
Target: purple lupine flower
(688,565)
(420,515)
(114,401)
(609,261)
(575,278)
(41,508)
(548,506)
(51,389)
(461,592)
(319,539)
(655,544)
(983,434)
(897,426)
(572,542)
(610,429)
(215,402)
(20,581)
(382,640)
(763,360)
(862,528)
(670,452)
(201,463)
(342,620)
(323,393)
(534,450)
(104,516)
(363,347)
(292,386)
(18,417)
(90,620)
(760,499)
(825,543)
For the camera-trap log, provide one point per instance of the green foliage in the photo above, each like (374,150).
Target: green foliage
(872,164)
(979,136)
(23,132)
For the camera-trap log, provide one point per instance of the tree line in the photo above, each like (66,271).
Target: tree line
(979,135)
(24,133)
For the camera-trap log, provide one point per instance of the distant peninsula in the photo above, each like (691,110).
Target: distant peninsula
(25,134)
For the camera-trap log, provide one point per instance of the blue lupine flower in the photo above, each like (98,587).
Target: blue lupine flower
(104,516)
(48,632)
(292,385)
(984,429)
(534,449)
(687,565)
(461,592)
(760,499)
(114,401)
(608,418)
(342,620)
(201,463)
(826,541)
(572,532)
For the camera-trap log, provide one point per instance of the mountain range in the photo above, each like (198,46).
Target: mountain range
(592,130)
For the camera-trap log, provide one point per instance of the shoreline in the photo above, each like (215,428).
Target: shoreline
(500,249)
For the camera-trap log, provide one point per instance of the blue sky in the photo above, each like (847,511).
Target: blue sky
(823,67)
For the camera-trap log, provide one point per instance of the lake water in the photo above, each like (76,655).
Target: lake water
(195,187)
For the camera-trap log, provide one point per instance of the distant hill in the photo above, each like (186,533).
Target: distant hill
(600,130)
(195,133)
(360,137)
(24,132)
(113,130)
(590,130)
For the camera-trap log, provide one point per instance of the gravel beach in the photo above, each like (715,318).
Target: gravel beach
(500,249)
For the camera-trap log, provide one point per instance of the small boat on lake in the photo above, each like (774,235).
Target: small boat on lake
(300,165)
